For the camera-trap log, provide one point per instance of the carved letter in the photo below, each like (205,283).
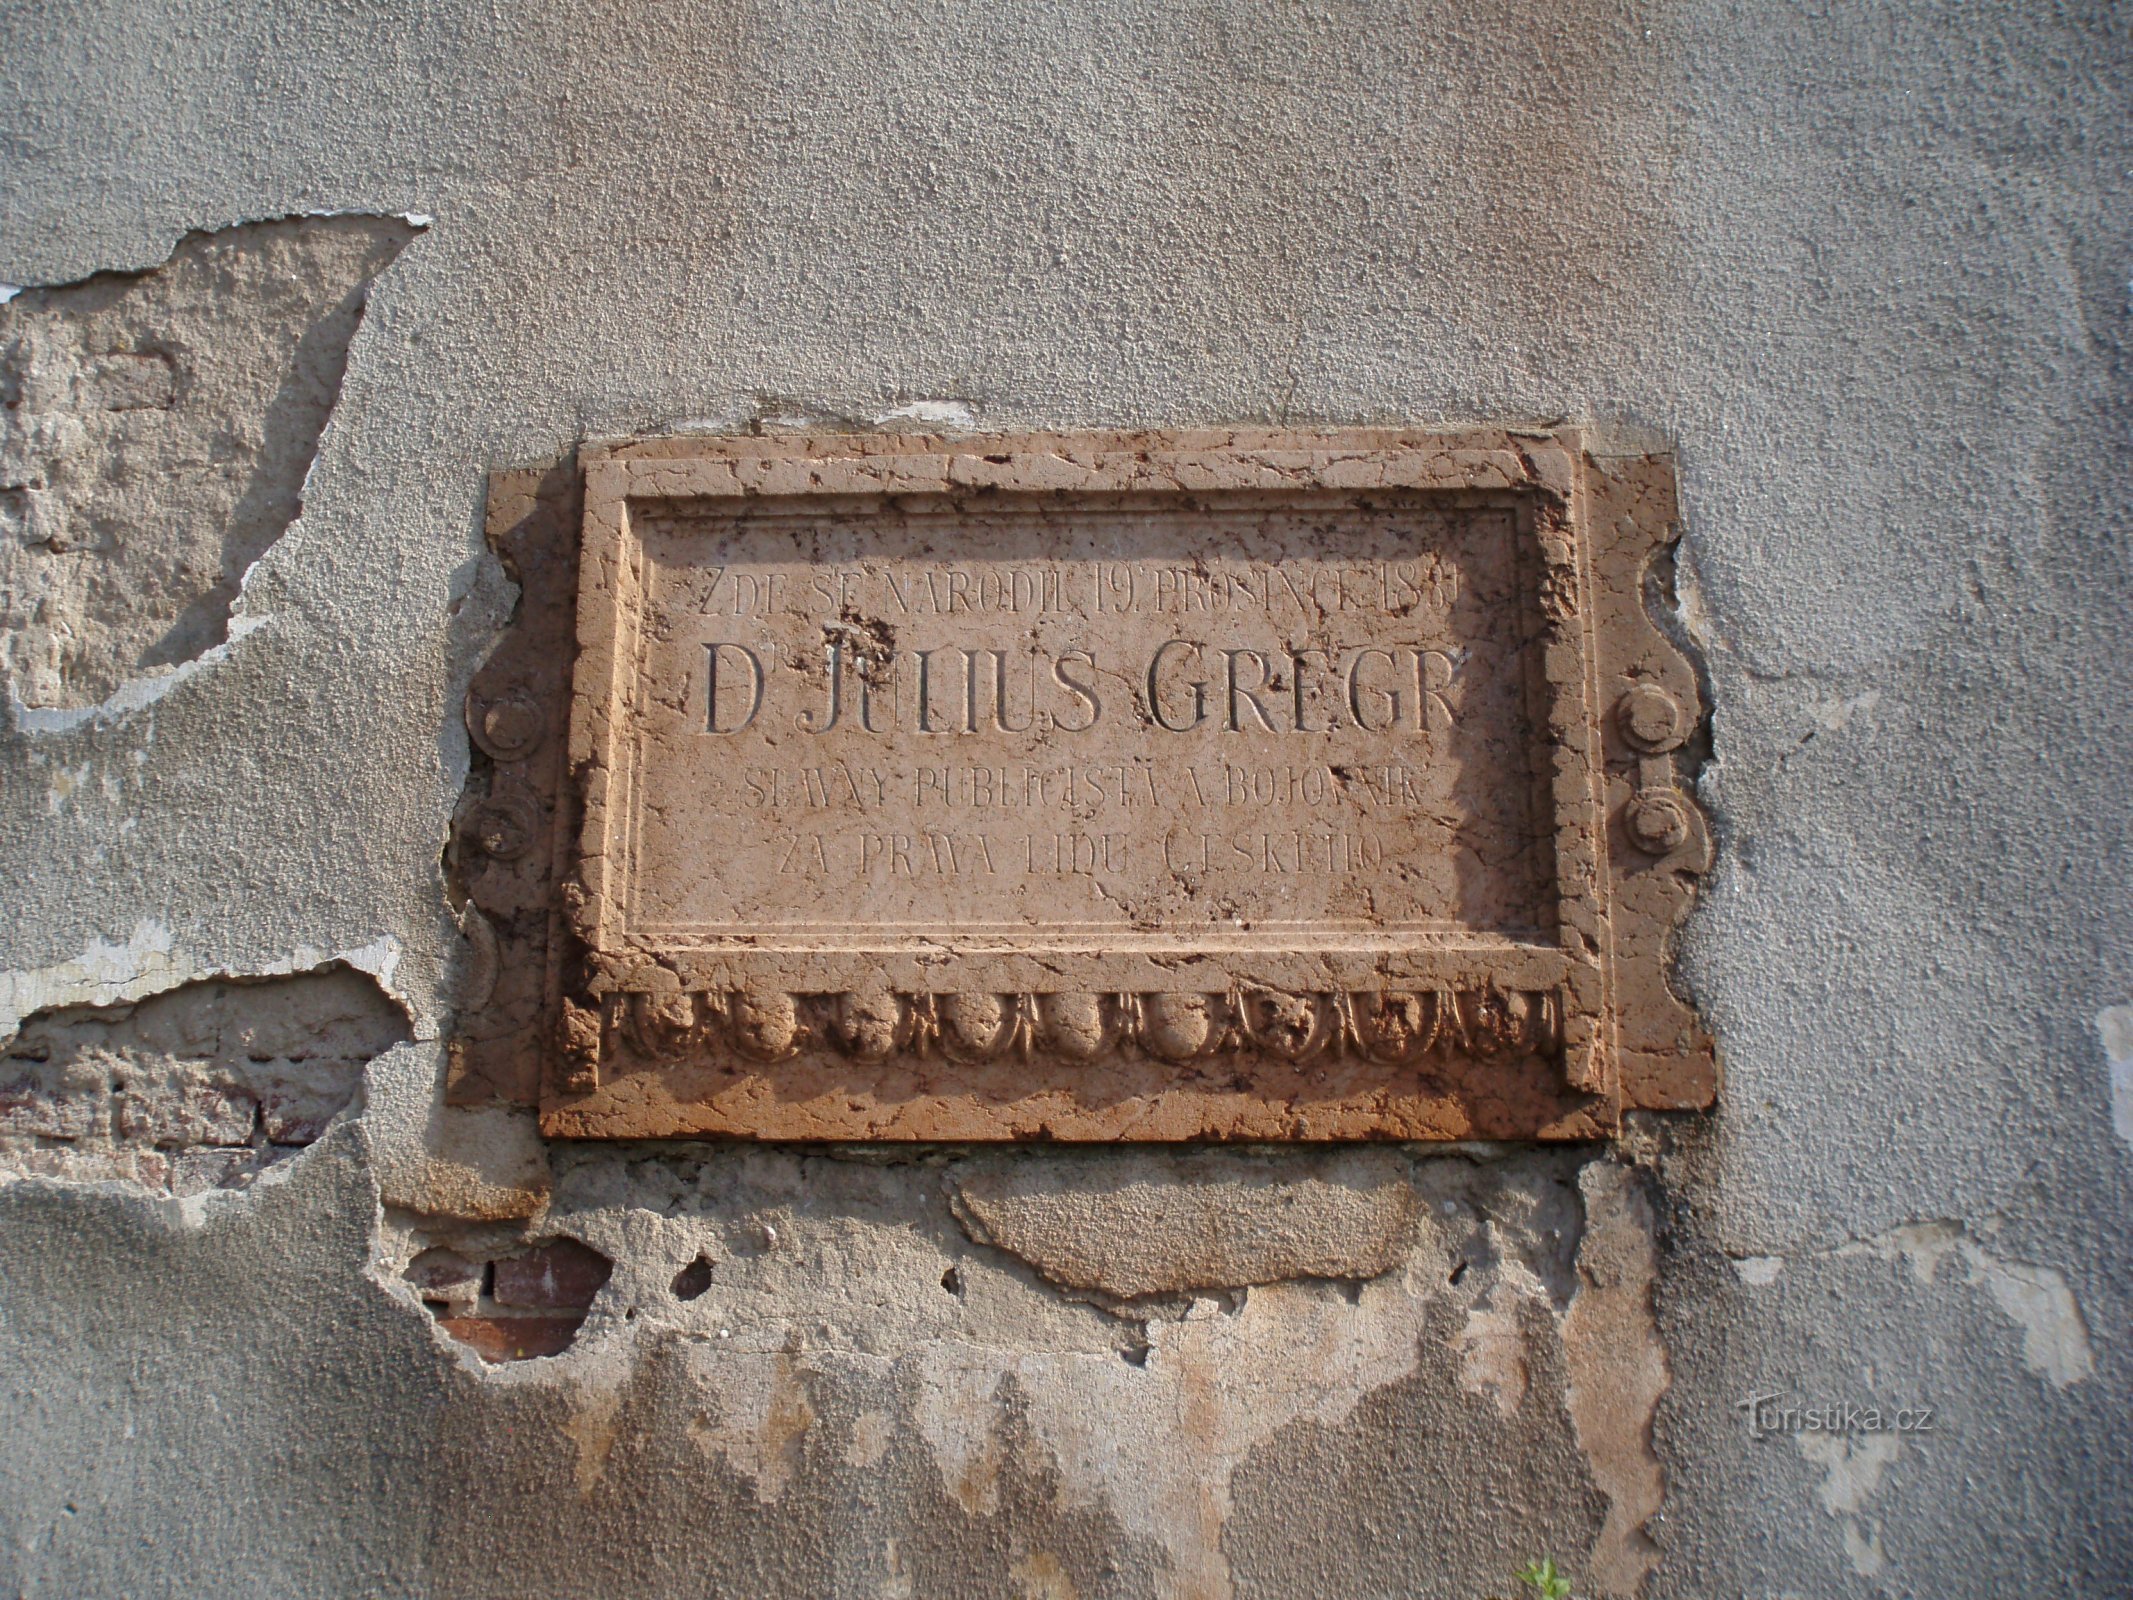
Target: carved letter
(1077,687)
(1356,691)
(755,691)
(873,674)
(1236,689)
(1296,685)
(999,692)
(1433,675)
(814,722)
(1155,698)
(925,678)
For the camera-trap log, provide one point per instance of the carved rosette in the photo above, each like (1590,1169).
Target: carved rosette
(1390,1027)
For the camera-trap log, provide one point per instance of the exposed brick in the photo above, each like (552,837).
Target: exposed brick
(136,1091)
(562,1273)
(31,1110)
(187,1112)
(293,1113)
(447,1276)
(513,1338)
(95,1164)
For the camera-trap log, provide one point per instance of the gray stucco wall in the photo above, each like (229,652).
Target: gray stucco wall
(1867,269)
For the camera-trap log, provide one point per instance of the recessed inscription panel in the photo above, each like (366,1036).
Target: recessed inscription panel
(1178,786)
(1276,718)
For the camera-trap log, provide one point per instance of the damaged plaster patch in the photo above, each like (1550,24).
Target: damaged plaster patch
(2055,1339)
(500,1296)
(1618,1371)
(147,963)
(201,1087)
(842,1326)
(103,974)
(134,694)
(945,416)
(1130,1225)
(156,429)
(1759,1272)
(1153,1432)
(1853,1466)
(1212,1390)
(2114,1026)
(593,1429)
(1833,716)
(756,1418)
(1492,1357)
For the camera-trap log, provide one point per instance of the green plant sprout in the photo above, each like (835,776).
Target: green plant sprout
(1549,1583)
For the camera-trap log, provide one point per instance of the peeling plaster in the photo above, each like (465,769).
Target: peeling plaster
(755,1413)
(1211,1390)
(1853,1468)
(135,694)
(158,439)
(1759,1272)
(484,1164)
(1492,1357)
(593,1428)
(947,416)
(2114,1026)
(1722,246)
(1834,716)
(147,963)
(2038,1300)
(103,974)
(1153,1433)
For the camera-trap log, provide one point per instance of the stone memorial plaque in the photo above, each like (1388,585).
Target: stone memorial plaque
(1233,785)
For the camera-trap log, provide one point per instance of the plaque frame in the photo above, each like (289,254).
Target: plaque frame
(1167,1038)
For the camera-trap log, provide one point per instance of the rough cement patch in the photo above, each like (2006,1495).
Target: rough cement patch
(1130,1226)
(156,434)
(200,1087)
(472,1164)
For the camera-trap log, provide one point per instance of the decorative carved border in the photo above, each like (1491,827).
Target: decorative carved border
(1392,1028)
(1470,1054)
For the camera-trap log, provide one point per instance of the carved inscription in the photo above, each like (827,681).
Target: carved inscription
(1121,786)
(1113,715)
